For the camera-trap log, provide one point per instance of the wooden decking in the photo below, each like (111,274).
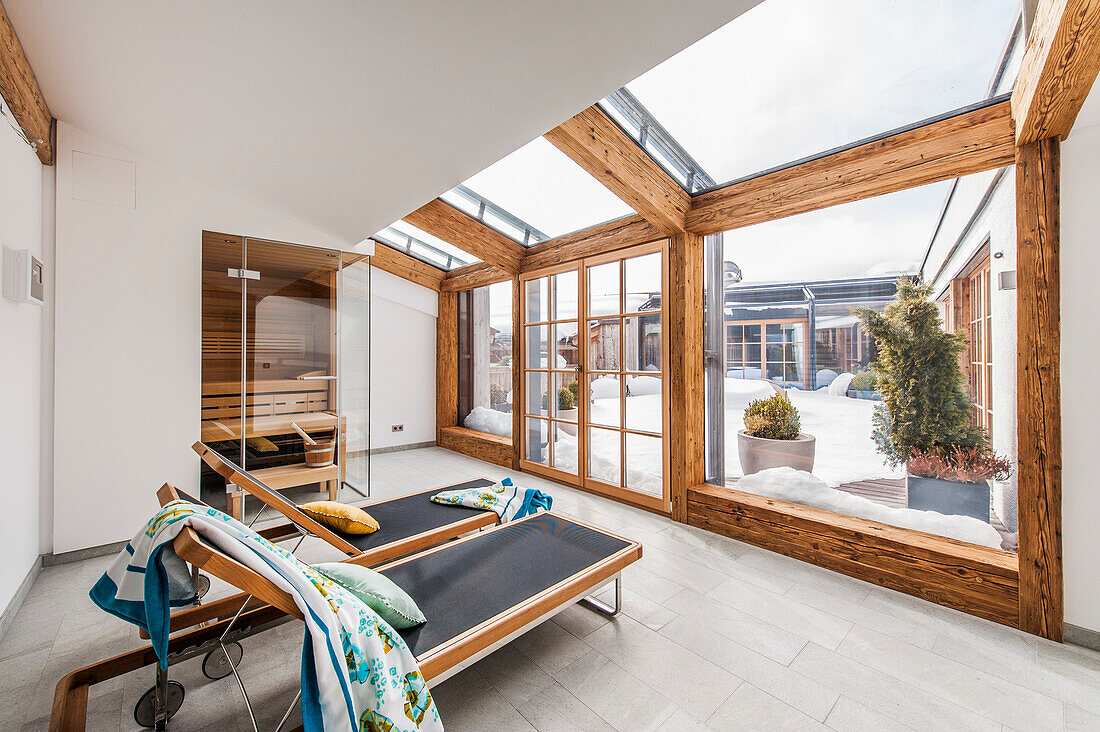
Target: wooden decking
(891,492)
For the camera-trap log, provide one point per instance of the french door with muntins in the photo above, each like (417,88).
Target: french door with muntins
(594,365)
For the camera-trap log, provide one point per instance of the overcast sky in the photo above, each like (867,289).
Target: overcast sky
(787,79)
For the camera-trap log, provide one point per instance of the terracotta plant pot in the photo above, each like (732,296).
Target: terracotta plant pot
(760,453)
(949,497)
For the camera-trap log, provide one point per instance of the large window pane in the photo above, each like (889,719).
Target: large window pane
(790,324)
(541,186)
(485,359)
(605,455)
(748,97)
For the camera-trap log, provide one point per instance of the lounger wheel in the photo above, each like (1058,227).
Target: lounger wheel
(216,666)
(202,586)
(145,710)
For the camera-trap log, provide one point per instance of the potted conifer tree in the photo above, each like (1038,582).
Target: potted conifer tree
(772,437)
(924,420)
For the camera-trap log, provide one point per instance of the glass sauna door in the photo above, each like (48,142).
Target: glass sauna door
(290,362)
(355,370)
(269,369)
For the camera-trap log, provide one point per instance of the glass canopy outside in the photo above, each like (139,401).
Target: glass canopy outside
(794,78)
(536,193)
(406,238)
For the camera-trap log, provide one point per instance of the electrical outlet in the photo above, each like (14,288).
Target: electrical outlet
(398,428)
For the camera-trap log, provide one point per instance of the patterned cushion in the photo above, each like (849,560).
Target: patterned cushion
(340,517)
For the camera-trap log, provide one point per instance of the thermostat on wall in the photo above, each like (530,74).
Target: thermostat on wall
(23,281)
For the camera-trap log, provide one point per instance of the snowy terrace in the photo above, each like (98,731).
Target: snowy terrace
(851,476)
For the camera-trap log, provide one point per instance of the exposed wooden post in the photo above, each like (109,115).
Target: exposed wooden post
(443,220)
(597,144)
(1060,63)
(20,90)
(968,142)
(1039,412)
(687,400)
(446,369)
(402,265)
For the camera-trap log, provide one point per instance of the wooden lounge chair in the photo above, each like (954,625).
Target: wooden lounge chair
(408,524)
(550,562)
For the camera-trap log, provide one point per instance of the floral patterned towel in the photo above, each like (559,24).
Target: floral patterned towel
(507,500)
(357,672)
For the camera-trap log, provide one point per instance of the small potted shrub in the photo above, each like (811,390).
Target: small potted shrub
(924,420)
(863,386)
(567,407)
(498,398)
(772,437)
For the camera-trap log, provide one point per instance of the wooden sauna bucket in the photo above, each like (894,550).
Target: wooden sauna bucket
(322,454)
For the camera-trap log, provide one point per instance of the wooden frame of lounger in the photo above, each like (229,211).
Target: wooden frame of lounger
(436,664)
(254,487)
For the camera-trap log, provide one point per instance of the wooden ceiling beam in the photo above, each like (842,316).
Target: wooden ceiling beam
(597,144)
(1060,63)
(390,260)
(471,276)
(618,234)
(442,220)
(20,90)
(969,142)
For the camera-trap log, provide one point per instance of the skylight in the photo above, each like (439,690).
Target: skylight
(794,78)
(420,244)
(540,186)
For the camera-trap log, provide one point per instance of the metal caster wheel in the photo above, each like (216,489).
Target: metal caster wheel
(215,665)
(145,710)
(202,586)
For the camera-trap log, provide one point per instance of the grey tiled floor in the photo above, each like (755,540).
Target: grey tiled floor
(716,635)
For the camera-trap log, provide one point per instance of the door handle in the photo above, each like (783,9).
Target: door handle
(316,378)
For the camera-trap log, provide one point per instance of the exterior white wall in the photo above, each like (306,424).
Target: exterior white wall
(403,325)
(21,177)
(1080,264)
(128,332)
(997,224)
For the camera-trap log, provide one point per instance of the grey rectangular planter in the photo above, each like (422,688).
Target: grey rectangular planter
(949,497)
(869,395)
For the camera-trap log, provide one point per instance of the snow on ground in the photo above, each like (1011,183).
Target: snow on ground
(842,426)
(844,451)
(483,419)
(798,486)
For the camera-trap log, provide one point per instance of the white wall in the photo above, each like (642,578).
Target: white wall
(127,372)
(1080,266)
(403,323)
(20,368)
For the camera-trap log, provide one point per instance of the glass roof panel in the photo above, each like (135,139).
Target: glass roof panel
(427,248)
(793,78)
(540,186)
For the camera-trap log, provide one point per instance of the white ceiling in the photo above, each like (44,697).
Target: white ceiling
(345,113)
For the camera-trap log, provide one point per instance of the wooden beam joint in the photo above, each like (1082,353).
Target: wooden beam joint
(597,144)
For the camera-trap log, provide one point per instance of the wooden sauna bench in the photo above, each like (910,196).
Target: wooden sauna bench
(273,405)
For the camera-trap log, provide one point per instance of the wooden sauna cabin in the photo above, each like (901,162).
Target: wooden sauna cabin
(269,342)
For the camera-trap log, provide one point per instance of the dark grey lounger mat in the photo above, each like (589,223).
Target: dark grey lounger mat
(467,583)
(411,515)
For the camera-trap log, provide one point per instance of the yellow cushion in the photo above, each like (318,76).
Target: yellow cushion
(340,517)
